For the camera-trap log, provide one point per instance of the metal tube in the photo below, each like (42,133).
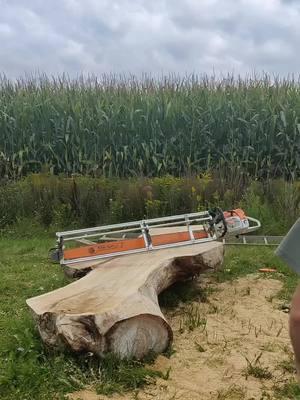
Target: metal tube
(179,222)
(97,228)
(134,223)
(68,239)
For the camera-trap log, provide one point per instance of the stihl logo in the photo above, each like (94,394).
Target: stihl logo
(106,246)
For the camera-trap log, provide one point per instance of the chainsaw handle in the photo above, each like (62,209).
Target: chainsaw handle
(255,227)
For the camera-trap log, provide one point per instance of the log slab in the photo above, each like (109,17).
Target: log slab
(114,308)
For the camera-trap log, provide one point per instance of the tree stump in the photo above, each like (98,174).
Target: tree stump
(114,308)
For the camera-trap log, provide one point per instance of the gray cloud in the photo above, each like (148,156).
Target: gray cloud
(158,36)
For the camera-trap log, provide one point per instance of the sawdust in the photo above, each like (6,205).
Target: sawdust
(243,322)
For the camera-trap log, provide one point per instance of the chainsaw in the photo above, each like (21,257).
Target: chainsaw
(87,246)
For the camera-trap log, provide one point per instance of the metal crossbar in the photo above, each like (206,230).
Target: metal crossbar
(252,240)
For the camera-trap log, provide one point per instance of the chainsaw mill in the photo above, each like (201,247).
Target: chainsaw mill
(88,246)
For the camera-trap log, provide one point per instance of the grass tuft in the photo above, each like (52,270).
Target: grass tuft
(256,370)
(234,392)
(118,376)
(288,366)
(192,319)
(290,390)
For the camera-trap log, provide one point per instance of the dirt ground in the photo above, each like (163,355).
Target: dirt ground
(243,335)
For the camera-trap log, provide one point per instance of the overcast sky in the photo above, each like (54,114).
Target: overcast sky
(153,36)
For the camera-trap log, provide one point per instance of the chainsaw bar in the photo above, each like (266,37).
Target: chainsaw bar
(252,240)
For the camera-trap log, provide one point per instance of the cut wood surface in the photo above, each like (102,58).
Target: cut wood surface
(114,308)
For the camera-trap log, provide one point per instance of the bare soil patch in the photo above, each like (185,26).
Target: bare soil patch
(238,349)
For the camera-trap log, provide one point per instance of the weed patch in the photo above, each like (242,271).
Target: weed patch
(256,370)
(192,319)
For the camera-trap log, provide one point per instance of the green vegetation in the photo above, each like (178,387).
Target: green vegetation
(234,392)
(288,365)
(246,260)
(290,390)
(192,319)
(182,292)
(29,370)
(90,152)
(118,127)
(58,202)
(256,370)
(119,375)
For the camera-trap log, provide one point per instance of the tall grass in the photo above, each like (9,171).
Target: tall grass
(124,126)
(59,202)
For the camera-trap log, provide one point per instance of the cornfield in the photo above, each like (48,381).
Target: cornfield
(125,126)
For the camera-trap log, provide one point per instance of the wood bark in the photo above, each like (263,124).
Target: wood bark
(114,308)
